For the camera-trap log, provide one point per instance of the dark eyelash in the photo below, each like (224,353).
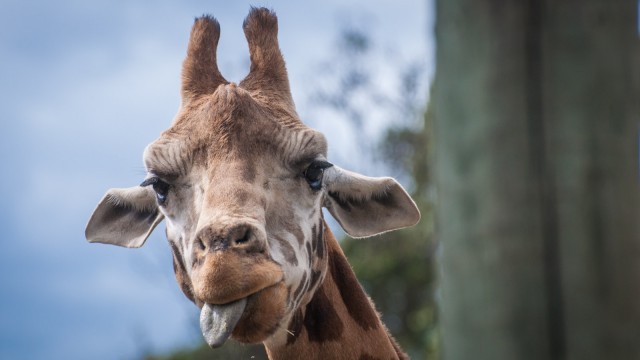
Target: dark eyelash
(150,181)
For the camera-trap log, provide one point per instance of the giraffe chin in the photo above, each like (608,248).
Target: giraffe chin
(249,320)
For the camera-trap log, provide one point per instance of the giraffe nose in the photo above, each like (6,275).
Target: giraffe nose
(243,236)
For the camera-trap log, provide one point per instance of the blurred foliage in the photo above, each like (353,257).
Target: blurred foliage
(397,268)
(230,350)
(348,85)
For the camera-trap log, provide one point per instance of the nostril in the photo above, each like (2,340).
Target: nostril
(211,239)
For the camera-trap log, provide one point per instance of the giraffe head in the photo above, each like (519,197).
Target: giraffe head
(240,182)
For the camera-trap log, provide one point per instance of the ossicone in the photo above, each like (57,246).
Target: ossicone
(268,72)
(200,74)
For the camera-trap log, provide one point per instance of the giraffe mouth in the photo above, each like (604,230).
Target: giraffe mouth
(251,319)
(217,322)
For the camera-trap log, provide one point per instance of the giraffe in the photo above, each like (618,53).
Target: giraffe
(241,182)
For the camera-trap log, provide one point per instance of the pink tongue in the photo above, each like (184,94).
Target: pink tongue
(218,321)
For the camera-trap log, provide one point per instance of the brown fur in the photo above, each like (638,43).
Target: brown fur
(262,315)
(230,275)
(333,326)
(359,305)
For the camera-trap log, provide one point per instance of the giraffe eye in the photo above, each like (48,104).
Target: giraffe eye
(313,173)
(160,187)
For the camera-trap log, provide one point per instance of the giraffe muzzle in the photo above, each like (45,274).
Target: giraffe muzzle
(218,321)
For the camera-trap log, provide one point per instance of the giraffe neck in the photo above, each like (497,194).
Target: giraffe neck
(339,322)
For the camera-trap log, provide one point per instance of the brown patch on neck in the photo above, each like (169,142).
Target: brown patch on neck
(366,356)
(321,320)
(355,299)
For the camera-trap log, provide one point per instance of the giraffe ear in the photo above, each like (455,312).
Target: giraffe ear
(124,217)
(366,206)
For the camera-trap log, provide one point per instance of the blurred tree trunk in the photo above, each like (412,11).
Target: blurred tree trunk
(537,110)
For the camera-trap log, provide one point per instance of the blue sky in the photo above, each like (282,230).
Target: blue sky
(84,86)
